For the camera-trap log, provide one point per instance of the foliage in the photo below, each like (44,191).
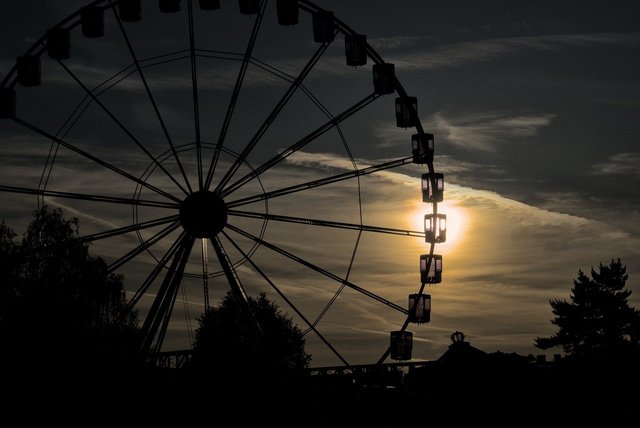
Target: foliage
(57,299)
(228,336)
(598,323)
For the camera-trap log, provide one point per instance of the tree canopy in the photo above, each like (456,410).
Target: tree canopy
(58,302)
(258,340)
(598,322)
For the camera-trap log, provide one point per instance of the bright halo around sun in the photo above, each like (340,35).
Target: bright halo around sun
(456,223)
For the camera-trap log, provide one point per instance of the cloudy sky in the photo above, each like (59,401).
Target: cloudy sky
(534,107)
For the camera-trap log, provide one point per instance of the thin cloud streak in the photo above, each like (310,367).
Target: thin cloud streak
(461,54)
(484,131)
(394,42)
(472,131)
(448,56)
(619,164)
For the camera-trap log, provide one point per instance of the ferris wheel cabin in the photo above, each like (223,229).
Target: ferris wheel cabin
(429,192)
(406,112)
(7,103)
(401,345)
(59,43)
(287,11)
(435,228)
(209,4)
(169,6)
(384,78)
(130,10)
(249,7)
(92,22)
(355,49)
(29,70)
(419,308)
(422,148)
(324,27)
(431,269)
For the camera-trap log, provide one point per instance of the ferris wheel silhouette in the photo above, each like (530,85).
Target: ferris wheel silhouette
(187,184)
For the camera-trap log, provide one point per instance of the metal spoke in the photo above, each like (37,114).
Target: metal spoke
(121,125)
(286,299)
(320,182)
(143,246)
(333,122)
(128,229)
(194,86)
(234,96)
(205,276)
(325,223)
(170,303)
(84,104)
(95,159)
(87,197)
(318,269)
(272,116)
(156,315)
(233,279)
(154,273)
(153,103)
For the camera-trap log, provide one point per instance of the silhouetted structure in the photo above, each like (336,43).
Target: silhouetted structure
(461,352)
(203,217)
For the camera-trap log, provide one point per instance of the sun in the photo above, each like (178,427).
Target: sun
(457,220)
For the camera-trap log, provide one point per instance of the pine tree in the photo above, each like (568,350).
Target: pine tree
(598,322)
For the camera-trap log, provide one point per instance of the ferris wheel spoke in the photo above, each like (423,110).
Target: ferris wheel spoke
(121,125)
(272,116)
(160,311)
(318,269)
(131,69)
(236,93)
(194,87)
(286,299)
(233,279)
(154,273)
(205,276)
(143,246)
(320,182)
(128,229)
(154,104)
(176,284)
(93,158)
(86,197)
(325,223)
(333,122)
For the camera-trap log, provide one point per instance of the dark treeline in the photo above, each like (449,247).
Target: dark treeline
(59,306)
(62,315)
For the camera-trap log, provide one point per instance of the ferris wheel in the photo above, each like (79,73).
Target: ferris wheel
(207,155)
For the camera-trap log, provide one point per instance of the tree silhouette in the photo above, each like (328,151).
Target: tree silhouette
(598,322)
(228,340)
(59,303)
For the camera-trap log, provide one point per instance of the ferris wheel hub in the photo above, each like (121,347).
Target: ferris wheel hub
(203,214)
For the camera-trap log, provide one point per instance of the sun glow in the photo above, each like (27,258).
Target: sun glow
(456,223)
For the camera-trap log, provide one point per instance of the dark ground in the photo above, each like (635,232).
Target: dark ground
(513,394)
